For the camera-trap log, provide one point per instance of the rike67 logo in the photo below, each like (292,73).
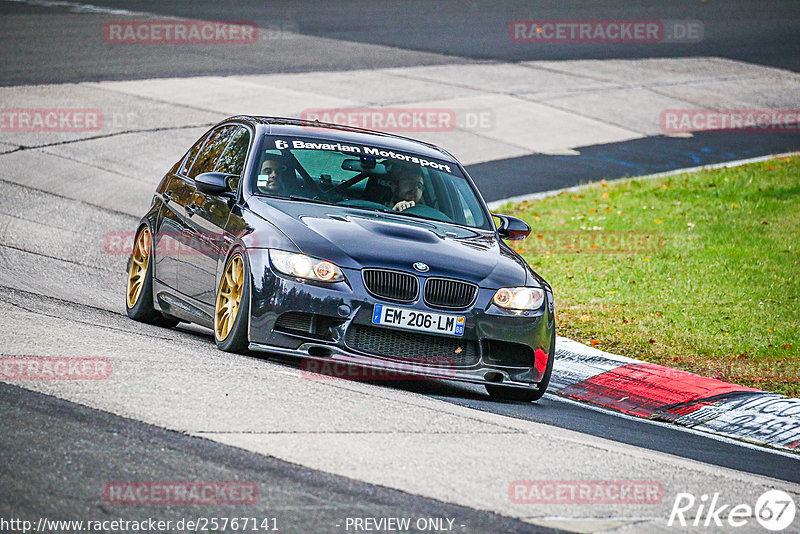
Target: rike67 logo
(774,510)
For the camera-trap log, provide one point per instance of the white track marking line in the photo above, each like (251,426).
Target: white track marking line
(76,7)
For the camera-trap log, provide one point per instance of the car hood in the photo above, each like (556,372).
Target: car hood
(355,238)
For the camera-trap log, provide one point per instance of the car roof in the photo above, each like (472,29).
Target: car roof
(343,134)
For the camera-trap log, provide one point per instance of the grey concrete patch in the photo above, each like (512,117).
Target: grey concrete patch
(143,158)
(520,124)
(635,109)
(764,90)
(116,112)
(660,71)
(501,110)
(81,181)
(28,222)
(505,78)
(61,279)
(376,87)
(471,146)
(233,96)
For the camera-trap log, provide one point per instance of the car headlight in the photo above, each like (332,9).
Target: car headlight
(519,298)
(302,266)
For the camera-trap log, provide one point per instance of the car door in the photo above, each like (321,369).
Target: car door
(207,215)
(169,237)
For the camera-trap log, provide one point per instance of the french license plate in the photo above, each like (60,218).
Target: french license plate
(418,320)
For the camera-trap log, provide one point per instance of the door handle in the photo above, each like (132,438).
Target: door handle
(191,209)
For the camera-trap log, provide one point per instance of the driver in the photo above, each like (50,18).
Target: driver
(275,177)
(407,186)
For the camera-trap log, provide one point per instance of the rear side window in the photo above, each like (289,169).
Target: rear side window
(187,162)
(212,150)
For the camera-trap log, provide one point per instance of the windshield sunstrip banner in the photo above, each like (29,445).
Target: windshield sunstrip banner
(363,150)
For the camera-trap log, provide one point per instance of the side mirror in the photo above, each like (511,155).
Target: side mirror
(512,228)
(213,183)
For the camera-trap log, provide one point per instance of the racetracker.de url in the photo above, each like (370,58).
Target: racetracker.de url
(197,524)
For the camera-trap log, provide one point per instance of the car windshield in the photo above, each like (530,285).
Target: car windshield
(365,177)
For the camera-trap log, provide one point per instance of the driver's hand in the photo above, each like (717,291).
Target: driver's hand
(403,205)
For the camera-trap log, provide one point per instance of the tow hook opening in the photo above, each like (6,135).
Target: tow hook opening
(319,352)
(493,376)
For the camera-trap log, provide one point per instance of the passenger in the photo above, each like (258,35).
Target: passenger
(275,177)
(407,186)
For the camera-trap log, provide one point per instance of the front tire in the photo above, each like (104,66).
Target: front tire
(506,393)
(139,290)
(233,305)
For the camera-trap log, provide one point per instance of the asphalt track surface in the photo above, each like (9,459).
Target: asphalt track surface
(666,438)
(71,450)
(46,44)
(639,157)
(417,32)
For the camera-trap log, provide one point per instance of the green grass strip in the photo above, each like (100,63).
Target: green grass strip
(699,271)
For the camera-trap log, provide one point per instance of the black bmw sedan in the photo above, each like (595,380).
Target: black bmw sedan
(337,244)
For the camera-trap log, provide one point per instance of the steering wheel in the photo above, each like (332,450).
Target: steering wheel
(428,212)
(358,203)
(344,185)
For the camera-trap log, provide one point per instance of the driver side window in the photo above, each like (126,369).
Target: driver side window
(232,159)
(212,150)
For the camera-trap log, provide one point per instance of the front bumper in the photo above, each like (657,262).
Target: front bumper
(319,323)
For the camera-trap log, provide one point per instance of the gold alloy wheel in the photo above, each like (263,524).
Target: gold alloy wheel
(229,297)
(139,260)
